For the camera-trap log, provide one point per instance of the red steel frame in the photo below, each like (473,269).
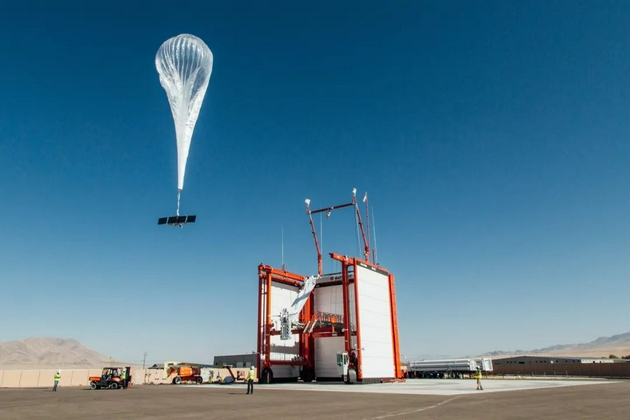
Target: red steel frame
(267,275)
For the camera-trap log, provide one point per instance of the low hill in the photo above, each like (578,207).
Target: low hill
(618,345)
(48,353)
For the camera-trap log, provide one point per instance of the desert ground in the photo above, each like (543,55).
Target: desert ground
(594,400)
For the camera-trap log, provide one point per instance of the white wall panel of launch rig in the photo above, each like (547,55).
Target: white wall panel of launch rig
(338,326)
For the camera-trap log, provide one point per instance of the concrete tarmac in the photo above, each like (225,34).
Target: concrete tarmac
(501,399)
(434,386)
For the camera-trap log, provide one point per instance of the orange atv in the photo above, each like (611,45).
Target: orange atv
(110,379)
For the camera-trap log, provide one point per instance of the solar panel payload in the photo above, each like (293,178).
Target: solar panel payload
(177,220)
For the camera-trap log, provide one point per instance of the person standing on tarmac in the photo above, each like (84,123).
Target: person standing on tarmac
(57,379)
(479,387)
(250,380)
(123,378)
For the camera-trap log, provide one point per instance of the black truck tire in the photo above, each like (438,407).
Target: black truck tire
(266,376)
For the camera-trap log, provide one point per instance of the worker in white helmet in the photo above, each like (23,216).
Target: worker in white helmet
(123,378)
(57,379)
(250,380)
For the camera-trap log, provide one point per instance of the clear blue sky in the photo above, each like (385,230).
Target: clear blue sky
(492,138)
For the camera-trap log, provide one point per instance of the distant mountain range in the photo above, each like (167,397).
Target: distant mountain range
(40,353)
(619,345)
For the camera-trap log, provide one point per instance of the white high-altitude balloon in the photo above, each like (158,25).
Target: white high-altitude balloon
(184,64)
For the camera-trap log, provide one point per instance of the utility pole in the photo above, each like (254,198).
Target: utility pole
(144,360)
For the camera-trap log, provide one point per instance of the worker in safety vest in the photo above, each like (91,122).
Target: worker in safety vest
(479,387)
(57,379)
(250,380)
(123,378)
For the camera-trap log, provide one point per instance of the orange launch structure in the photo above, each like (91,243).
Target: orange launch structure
(336,326)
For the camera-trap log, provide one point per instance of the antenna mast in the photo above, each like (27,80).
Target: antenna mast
(374,227)
(367,224)
(284,267)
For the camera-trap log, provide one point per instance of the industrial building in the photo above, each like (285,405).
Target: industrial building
(524,360)
(336,326)
(236,360)
(562,366)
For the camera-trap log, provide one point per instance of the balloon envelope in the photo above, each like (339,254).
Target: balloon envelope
(184,64)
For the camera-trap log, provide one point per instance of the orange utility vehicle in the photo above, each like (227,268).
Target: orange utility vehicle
(111,378)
